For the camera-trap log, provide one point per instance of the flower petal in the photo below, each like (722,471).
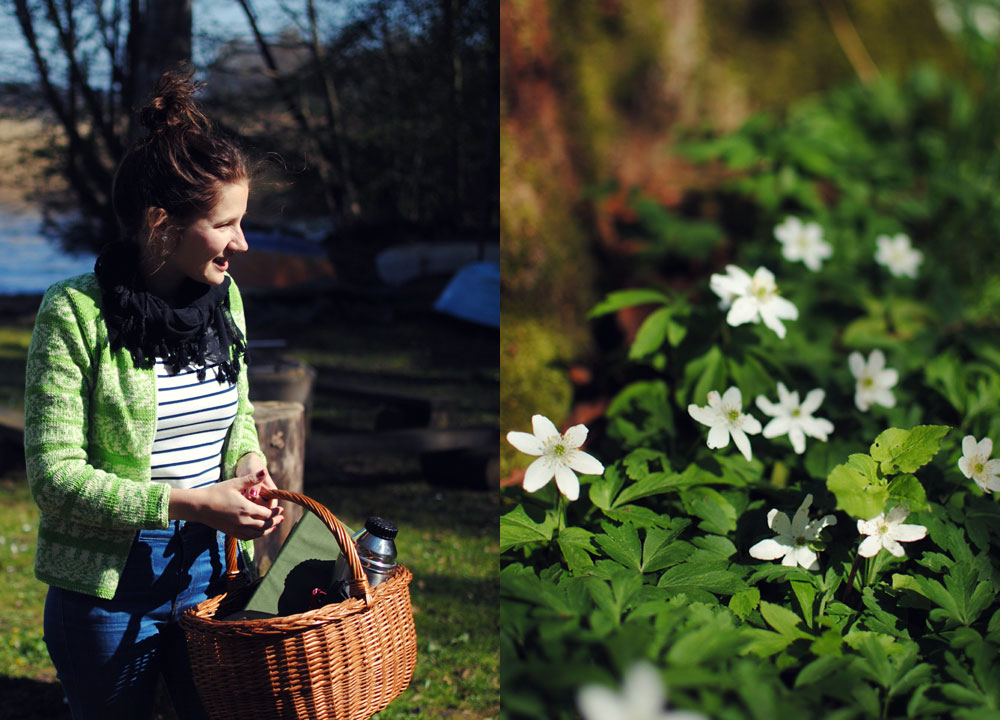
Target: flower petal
(643,691)
(876,361)
(806,557)
(567,482)
(749,424)
(892,546)
(897,515)
(798,439)
(801,517)
(887,378)
(813,399)
(969,446)
(770,318)
(742,442)
(543,428)
(777,427)
(714,399)
(743,310)
(575,436)
(908,533)
(985,447)
(779,522)
(733,398)
(770,549)
(600,703)
(767,407)
(856,362)
(818,428)
(965,465)
(538,474)
(870,546)
(526,442)
(885,398)
(718,437)
(584,463)
(705,415)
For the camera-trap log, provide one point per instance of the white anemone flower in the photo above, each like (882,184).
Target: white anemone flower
(752,299)
(975,463)
(642,697)
(795,419)
(898,255)
(803,241)
(874,380)
(888,532)
(559,455)
(794,537)
(724,415)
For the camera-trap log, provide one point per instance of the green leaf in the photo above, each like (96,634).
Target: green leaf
(805,593)
(641,416)
(627,298)
(576,548)
(517,529)
(818,669)
(782,620)
(907,490)
(621,544)
(698,575)
(651,334)
(604,489)
(717,514)
(702,375)
(653,484)
(856,487)
(764,643)
(656,548)
(637,463)
(745,602)
(905,451)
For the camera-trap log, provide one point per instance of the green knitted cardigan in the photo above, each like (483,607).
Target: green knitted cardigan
(89,423)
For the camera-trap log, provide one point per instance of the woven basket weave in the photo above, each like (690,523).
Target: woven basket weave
(342,661)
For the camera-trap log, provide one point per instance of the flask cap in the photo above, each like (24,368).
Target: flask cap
(380,527)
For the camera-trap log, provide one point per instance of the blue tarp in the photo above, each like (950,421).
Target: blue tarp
(473,294)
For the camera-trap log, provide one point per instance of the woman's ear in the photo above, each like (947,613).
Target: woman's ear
(156,221)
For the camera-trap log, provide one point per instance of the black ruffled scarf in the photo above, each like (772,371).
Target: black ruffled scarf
(200,331)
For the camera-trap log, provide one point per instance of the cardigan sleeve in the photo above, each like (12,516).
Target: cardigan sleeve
(243,437)
(57,405)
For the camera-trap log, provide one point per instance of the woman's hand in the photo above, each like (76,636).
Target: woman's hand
(253,464)
(226,506)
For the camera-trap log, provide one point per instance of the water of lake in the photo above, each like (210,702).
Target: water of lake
(29,261)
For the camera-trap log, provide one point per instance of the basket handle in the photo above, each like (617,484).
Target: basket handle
(358,585)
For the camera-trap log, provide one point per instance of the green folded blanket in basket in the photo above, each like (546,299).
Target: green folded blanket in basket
(304,563)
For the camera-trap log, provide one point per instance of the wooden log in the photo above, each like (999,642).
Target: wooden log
(281,430)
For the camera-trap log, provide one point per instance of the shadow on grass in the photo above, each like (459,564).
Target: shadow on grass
(29,699)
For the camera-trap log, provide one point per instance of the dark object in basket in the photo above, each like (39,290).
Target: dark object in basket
(341,661)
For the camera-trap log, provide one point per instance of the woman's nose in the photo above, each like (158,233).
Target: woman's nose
(239,243)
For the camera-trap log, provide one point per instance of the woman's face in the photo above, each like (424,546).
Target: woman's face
(204,247)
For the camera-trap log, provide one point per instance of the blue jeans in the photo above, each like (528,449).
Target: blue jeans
(109,654)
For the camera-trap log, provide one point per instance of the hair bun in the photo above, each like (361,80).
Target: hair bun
(172,106)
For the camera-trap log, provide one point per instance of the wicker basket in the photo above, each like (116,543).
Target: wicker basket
(342,661)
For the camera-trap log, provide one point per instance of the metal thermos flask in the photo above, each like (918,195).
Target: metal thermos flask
(376,546)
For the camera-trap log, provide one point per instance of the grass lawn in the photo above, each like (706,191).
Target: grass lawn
(448,537)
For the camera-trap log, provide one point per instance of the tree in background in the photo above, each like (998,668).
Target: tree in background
(95,61)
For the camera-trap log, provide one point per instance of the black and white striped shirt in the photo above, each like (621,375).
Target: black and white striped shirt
(192,419)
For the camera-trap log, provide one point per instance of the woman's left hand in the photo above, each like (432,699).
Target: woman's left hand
(252,464)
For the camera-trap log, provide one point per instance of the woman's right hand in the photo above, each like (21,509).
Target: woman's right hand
(226,507)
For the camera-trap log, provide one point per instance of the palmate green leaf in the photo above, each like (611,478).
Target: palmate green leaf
(765,643)
(906,451)
(566,597)
(656,547)
(603,490)
(640,415)
(576,548)
(641,517)
(642,461)
(857,488)
(703,374)
(652,484)
(805,593)
(818,669)
(621,544)
(620,299)
(517,529)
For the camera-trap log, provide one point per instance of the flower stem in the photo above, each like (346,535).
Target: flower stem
(560,511)
(850,579)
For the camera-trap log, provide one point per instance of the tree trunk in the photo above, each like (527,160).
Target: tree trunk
(281,430)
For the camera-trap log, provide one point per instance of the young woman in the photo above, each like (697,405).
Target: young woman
(140,442)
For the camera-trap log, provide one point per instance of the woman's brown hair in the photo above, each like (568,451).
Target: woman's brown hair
(179,166)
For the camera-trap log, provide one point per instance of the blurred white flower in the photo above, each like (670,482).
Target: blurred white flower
(888,532)
(896,254)
(724,415)
(874,380)
(795,419)
(642,697)
(752,299)
(794,536)
(559,455)
(803,241)
(975,463)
